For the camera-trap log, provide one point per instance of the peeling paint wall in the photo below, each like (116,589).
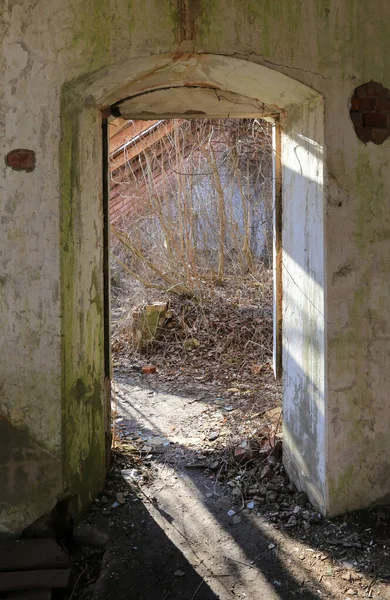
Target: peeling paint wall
(51,285)
(303,310)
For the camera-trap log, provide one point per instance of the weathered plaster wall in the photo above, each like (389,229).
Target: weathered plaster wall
(331,47)
(29,273)
(303,309)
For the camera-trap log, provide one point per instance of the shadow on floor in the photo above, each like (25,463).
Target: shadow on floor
(180,527)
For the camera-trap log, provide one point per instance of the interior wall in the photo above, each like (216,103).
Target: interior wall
(81,253)
(51,48)
(303,306)
(85,395)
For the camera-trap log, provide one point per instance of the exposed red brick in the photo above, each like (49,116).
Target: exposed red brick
(378,120)
(379,136)
(364,134)
(367,104)
(361,91)
(355,103)
(370,112)
(382,103)
(21,160)
(374,88)
(357,118)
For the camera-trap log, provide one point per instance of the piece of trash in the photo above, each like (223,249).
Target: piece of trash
(156,441)
(149,369)
(198,464)
(120,498)
(271,546)
(228,408)
(131,475)
(231,512)
(291,522)
(250,504)
(116,503)
(278,583)
(214,464)
(166,443)
(179,573)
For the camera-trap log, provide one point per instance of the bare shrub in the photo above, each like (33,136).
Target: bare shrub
(198,233)
(200,206)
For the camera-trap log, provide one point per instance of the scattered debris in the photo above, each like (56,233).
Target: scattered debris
(198,464)
(147,323)
(85,534)
(191,344)
(339,553)
(120,498)
(179,573)
(149,369)
(131,475)
(344,543)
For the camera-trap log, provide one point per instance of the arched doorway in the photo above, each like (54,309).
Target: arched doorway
(184,85)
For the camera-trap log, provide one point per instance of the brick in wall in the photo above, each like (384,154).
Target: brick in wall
(370,112)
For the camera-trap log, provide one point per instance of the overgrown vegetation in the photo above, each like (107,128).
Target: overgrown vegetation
(198,234)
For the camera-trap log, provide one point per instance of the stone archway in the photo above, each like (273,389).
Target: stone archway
(144,86)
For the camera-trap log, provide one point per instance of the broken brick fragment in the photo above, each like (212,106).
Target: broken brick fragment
(21,160)
(149,369)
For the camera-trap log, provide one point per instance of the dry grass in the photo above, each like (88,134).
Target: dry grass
(199,240)
(200,207)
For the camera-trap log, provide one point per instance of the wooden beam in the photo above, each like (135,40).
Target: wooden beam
(115,126)
(40,579)
(128,132)
(30,595)
(20,555)
(145,143)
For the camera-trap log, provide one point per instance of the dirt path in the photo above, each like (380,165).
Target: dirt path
(173,538)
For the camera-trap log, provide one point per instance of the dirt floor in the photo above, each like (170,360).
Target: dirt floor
(194,510)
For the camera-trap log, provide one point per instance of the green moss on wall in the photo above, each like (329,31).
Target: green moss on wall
(370,196)
(92,24)
(82,331)
(340,489)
